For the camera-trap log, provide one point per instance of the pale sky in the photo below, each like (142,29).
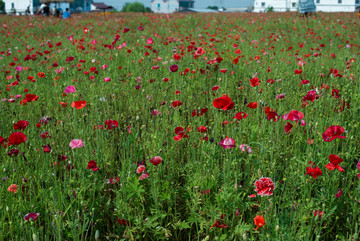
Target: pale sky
(198,3)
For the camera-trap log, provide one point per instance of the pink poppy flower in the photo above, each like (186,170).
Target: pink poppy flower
(140,169)
(31,216)
(144,176)
(149,41)
(264,186)
(155,113)
(107,79)
(76,143)
(227,143)
(70,89)
(244,147)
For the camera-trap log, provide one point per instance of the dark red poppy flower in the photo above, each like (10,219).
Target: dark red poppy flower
(176,103)
(288,127)
(311,96)
(207,191)
(199,112)
(339,193)
(313,171)
(47,148)
(13,152)
(255,82)
(224,102)
(241,115)
(62,157)
(252,105)
(271,115)
(156,160)
(21,125)
(335,93)
(92,165)
(78,104)
(3,141)
(333,132)
(335,160)
(31,216)
(174,68)
(123,222)
(111,124)
(17,138)
(298,71)
(218,223)
(45,135)
(264,186)
(201,129)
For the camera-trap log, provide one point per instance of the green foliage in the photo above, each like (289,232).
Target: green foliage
(269,9)
(213,7)
(135,7)
(2,7)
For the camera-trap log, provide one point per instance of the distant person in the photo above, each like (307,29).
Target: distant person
(27,12)
(46,10)
(66,14)
(306,7)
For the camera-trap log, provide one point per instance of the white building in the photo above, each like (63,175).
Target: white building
(171,6)
(292,5)
(19,5)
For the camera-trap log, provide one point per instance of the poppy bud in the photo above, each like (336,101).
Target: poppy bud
(35,237)
(245,237)
(97,235)
(277,228)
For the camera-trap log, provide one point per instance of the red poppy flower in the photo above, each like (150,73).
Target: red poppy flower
(92,165)
(140,169)
(31,216)
(224,102)
(78,104)
(272,116)
(30,98)
(252,105)
(339,193)
(313,171)
(156,160)
(214,88)
(176,103)
(259,221)
(255,82)
(334,163)
(298,71)
(144,175)
(180,133)
(318,212)
(47,148)
(201,129)
(200,51)
(123,222)
(241,115)
(333,132)
(41,74)
(63,104)
(264,186)
(111,124)
(21,125)
(17,138)
(3,142)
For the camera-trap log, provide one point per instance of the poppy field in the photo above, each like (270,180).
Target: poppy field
(180,127)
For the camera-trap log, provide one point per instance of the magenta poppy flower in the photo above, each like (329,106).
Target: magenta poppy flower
(333,132)
(70,89)
(31,216)
(227,143)
(156,160)
(76,143)
(107,79)
(174,68)
(264,186)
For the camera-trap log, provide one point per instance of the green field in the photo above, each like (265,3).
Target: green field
(180,127)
